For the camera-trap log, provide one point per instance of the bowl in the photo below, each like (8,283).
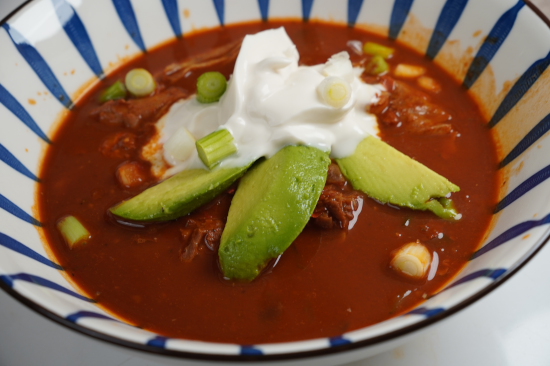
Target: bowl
(60,48)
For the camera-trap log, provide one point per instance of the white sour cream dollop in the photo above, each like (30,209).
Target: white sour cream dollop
(271,102)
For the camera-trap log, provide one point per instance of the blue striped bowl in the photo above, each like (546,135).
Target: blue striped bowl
(53,50)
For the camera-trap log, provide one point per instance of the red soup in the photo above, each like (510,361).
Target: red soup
(336,276)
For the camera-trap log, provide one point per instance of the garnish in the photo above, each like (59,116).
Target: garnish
(215,147)
(140,82)
(210,87)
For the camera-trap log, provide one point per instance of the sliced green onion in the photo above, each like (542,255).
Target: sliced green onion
(210,87)
(428,83)
(180,145)
(72,230)
(409,71)
(215,147)
(115,91)
(334,91)
(140,82)
(377,65)
(412,260)
(375,49)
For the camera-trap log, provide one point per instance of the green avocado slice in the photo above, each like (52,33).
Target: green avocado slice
(271,207)
(178,195)
(387,175)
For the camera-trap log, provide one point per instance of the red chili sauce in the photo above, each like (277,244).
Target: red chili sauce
(328,281)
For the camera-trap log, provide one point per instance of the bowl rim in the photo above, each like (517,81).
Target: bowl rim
(329,350)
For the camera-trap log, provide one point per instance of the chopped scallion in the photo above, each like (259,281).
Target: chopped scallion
(412,260)
(72,230)
(334,91)
(115,91)
(428,83)
(377,65)
(210,87)
(181,145)
(409,71)
(140,82)
(216,146)
(375,49)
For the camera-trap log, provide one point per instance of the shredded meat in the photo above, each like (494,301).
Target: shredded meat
(118,145)
(338,201)
(198,231)
(135,111)
(215,57)
(411,109)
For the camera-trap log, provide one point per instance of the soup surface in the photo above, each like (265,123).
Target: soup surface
(330,280)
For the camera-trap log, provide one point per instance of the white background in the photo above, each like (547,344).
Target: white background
(510,326)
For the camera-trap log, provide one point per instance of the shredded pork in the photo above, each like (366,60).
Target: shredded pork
(133,112)
(337,203)
(408,108)
(206,231)
(215,57)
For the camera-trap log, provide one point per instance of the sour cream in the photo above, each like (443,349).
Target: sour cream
(271,102)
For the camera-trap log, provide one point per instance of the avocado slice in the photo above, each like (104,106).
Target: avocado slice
(271,207)
(387,175)
(178,195)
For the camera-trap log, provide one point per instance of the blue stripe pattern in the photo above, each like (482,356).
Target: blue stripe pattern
(426,312)
(75,30)
(306,9)
(74,317)
(452,10)
(16,246)
(13,209)
(399,15)
(264,9)
(491,44)
(250,351)
(17,109)
(220,10)
(127,16)
(40,67)
(12,161)
(523,188)
(157,341)
(338,341)
(172,12)
(524,83)
(354,7)
(536,133)
(489,273)
(510,234)
(10,279)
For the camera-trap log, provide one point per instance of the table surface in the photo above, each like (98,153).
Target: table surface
(510,326)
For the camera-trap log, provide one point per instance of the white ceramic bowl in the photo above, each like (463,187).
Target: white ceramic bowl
(51,50)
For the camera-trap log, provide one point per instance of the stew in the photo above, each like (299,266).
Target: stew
(336,276)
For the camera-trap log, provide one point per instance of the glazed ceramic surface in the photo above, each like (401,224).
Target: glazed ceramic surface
(53,49)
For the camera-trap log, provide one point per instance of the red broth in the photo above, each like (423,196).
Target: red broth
(326,283)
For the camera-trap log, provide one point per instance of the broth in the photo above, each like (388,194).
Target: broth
(326,283)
